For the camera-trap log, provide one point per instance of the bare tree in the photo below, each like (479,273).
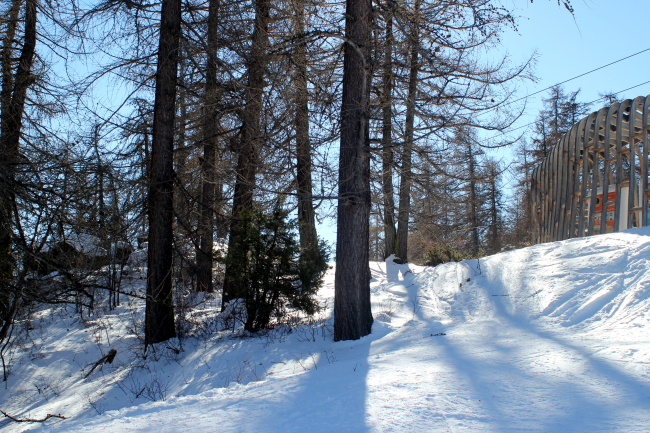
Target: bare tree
(560,111)
(159,321)
(495,235)
(387,154)
(438,87)
(249,141)
(13,96)
(407,148)
(306,212)
(352,313)
(208,169)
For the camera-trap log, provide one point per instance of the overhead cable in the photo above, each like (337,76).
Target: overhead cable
(588,103)
(582,75)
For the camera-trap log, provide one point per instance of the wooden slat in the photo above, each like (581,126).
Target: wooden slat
(555,188)
(582,153)
(577,185)
(606,173)
(588,137)
(599,128)
(534,217)
(644,162)
(543,201)
(538,209)
(564,194)
(633,202)
(619,224)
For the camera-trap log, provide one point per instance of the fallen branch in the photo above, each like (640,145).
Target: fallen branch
(108,358)
(13,418)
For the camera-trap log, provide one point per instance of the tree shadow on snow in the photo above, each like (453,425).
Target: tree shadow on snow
(329,396)
(560,387)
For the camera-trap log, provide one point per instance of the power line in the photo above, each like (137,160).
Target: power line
(588,103)
(582,75)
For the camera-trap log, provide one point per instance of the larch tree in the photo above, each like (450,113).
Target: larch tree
(474,203)
(306,212)
(439,85)
(406,173)
(493,187)
(248,143)
(13,94)
(159,318)
(352,313)
(387,154)
(560,111)
(204,256)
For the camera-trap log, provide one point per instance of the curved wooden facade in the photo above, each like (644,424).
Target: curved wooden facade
(602,160)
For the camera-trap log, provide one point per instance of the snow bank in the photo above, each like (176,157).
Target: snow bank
(549,338)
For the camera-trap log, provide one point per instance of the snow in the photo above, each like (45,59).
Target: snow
(550,338)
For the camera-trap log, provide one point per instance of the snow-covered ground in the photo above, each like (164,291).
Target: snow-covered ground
(551,338)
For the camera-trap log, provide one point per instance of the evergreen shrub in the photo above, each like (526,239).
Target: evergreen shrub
(274,278)
(444,254)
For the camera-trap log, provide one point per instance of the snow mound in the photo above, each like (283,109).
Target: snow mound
(548,338)
(601,282)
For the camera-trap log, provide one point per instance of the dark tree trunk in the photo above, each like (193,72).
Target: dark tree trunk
(406,169)
(495,238)
(247,162)
(7,54)
(12,308)
(14,94)
(352,314)
(204,256)
(473,201)
(159,321)
(181,149)
(306,214)
(390,236)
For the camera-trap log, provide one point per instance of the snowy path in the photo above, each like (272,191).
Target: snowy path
(552,338)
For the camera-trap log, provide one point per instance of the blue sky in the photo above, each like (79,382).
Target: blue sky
(599,32)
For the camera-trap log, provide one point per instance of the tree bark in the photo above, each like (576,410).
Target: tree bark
(352,314)
(495,238)
(14,95)
(7,54)
(247,163)
(406,174)
(159,320)
(473,201)
(390,236)
(204,257)
(306,214)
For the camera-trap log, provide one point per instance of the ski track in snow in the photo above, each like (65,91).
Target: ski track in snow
(550,338)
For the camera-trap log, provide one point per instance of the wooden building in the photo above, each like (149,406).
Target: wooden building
(595,180)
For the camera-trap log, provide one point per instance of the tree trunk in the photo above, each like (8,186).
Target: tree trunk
(390,236)
(103,232)
(406,171)
(247,162)
(352,314)
(204,256)
(473,202)
(7,54)
(14,94)
(495,244)
(159,320)
(306,214)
